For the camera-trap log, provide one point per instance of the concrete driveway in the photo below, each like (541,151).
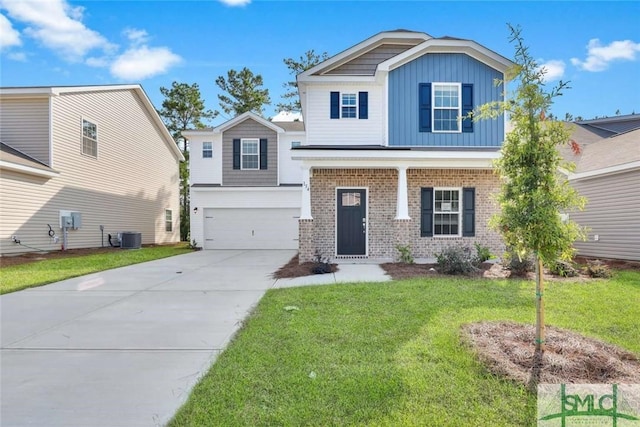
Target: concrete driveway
(124,347)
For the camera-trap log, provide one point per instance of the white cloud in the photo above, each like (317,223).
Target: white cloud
(58,26)
(8,35)
(235,2)
(554,70)
(18,56)
(599,56)
(135,36)
(142,62)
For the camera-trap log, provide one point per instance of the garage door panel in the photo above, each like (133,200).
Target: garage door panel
(251,228)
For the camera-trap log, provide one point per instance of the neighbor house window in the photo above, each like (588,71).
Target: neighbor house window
(446,107)
(250,154)
(168,220)
(448,212)
(295,144)
(89,138)
(207,150)
(348,106)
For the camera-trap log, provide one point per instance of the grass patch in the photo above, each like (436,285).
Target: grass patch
(391,354)
(17,277)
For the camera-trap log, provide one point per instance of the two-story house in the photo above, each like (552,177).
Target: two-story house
(85,161)
(245,191)
(388,155)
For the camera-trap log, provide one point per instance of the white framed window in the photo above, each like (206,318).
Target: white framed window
(447,102)
(250,154)
(295,144)
(447,212)
(168,220)
(89,138)
(348,106)
(207,150)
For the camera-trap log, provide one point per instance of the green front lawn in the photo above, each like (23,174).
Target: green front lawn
(17,277)
(390,354)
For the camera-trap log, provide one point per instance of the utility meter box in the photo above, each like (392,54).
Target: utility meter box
(69,219)
(66,221)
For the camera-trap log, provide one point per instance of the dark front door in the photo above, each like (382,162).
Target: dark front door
(352,222)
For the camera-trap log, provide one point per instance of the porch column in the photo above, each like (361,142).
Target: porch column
(305,207)
(402,205)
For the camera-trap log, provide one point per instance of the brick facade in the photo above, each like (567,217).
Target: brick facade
(384,232)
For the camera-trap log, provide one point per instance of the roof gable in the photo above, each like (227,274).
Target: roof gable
(246,116)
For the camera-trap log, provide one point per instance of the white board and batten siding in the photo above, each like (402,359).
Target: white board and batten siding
(322,130)
(612,213)
(24,125)
(205,170)
(134,178)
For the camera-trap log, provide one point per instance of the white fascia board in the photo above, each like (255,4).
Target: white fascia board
(191,133)
(387,159)
(231,189)
(605,171)
(338,79)
(245,116)
(28,169)
(361,47)
(469,47)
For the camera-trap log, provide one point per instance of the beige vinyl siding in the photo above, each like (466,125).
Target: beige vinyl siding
(366,64)
(249,129)
(613,213)
(24,125)
(126,188)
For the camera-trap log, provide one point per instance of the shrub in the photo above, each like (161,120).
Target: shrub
(482,254)
(321,264)
(456,260)
(598,269)
(519,265)
(563,269)
(405,254)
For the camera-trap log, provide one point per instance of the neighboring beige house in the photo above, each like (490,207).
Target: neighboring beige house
(608,175)
(98,154)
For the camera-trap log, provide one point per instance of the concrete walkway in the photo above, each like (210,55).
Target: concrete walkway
(124,347)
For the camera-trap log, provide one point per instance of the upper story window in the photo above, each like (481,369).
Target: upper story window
(295,144)
(207,150)
(250,155)
(349,105)
(444,107)
(89,138)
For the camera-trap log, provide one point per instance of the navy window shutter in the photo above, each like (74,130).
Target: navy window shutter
(424,112)
(468,212)
(426,217)
(335,105)
(467,107)
(363,105)
(263,154)
(236,154)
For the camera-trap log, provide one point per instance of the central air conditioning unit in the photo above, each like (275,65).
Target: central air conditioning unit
(130,240)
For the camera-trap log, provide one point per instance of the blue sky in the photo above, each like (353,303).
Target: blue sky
(595,45)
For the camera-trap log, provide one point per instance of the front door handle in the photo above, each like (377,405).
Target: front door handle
(364,226)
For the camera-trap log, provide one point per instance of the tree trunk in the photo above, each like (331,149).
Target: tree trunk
(539,307)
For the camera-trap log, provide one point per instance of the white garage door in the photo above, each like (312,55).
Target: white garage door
(275,228)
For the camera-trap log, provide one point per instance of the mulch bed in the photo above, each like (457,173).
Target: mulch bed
(294,269)
(508,349)
(399,270)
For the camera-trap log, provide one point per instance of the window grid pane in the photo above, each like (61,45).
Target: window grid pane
(207,150)
(89,138)
(349,105)
(446,217)
(446,102)
(250,156)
